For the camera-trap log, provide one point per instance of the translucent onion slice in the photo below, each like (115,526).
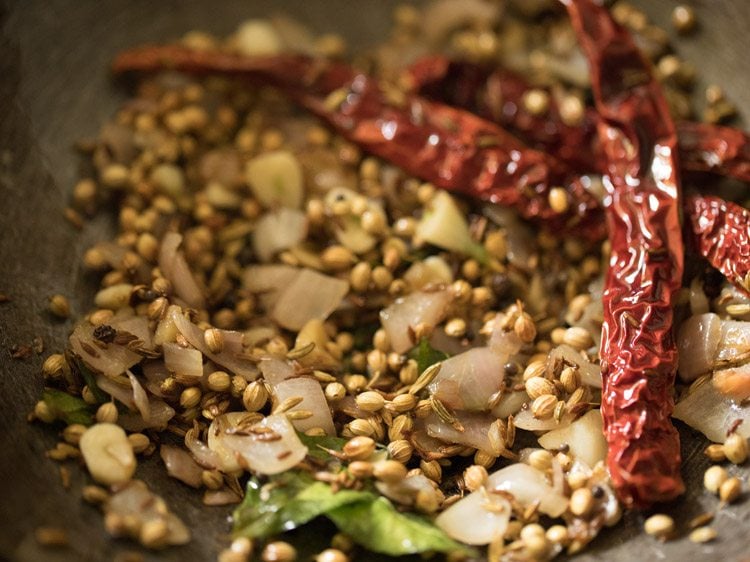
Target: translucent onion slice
(112,360)
(528,485)
(118,388)
(313,400)
(276,370)
(504,342)
(140,398)
(477,519)
(183,361)
(309,296)
(524,419)
(510,404)
(174,267)
(697,343)
(160,413)
(433,270)
(251,448)
(475,433)
(733,382)
(229,357)
(266,281)
(278,230)
(201,453)
(422,307)
(704,408)
(181,465)
(156,373)
(136,326)
(467,381)
(405,491)
(591,374)
(585,437)
(735,342)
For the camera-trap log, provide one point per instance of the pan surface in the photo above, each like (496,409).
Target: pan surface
(55,89)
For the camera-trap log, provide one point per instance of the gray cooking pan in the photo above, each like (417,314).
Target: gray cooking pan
(55,89)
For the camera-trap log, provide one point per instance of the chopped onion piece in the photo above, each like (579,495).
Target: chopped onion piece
(136,326)
(503,342)
(229,357)
(528,485)
(118,388)
(475,433)
(278,230)
(111,361)
(585,437)
(400,318)
(181,465)
(735,342)
(510,404)
(201,453)
(704,408)
(591,374)
(267,281)
(444,226)
(156,373)
(350,234)
(467,381)
(697,342)
(174,267)
(276,370)
(276,179)
(183,361)
(433,270)
(405,491)
(310,295)
(477,519)
(140,398)
(733,382)
(313,401)
(250,447)
(526,420)
(159,415)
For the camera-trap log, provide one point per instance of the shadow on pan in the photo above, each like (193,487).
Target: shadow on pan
(55,89)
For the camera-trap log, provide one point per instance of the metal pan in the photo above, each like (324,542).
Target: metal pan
(55,89)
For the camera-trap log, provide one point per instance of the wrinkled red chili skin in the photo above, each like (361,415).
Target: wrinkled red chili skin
(452,148)
(721,233)
(497,94)
(638,352)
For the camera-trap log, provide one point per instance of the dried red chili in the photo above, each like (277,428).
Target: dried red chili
(721,234)
(450,147)
(638,353)
(497,94)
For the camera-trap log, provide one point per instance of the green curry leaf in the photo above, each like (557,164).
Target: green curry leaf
(425,355)
(68,408)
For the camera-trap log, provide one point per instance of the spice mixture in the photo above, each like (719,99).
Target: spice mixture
(437,294)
